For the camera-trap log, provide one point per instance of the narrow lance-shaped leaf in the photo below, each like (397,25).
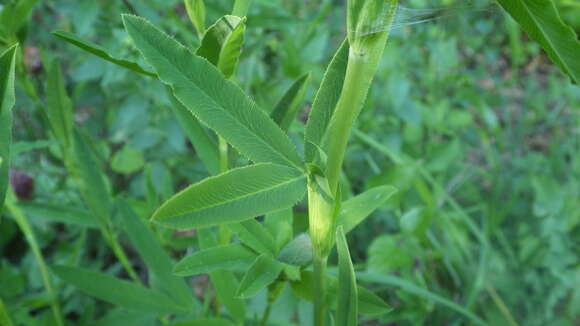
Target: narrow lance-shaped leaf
(542,22)
(347,307)
(253,234)
(288,107)
(14,15)
(234,196)
(101,52)
(224,282)
(118,292)
(263,271)
(157,261)
(222,43)
(7,100)
(59,107)
(196,13)
(353,211)
(325,102)
(228,257)
(217,102)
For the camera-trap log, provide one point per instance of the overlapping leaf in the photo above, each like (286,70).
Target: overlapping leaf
(237,195)
(253,234)
(217,102)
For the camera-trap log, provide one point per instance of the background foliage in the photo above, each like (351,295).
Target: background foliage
(467,117)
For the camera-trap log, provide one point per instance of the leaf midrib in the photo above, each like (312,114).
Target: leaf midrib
(220,203)
(151,45)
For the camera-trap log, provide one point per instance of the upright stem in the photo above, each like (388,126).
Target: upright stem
(241,8)
(320,309)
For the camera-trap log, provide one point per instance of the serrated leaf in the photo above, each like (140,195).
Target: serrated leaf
(368,302)
(101,52)
(355,210)
(118,292)
(196,12)
(59,107)
(222,43)
(263,271)
(297,252)
(287,109)
(347,307)
(325,102)
(254,235)
(157,261)
(227,257)
(217,102)
(542,22)
(7,100)
(237,195)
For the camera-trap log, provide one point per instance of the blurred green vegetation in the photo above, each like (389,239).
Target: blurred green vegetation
(467,117)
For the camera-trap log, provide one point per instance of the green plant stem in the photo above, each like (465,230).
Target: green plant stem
(501,305)
(266,314)
(25,227)
(241,8)
(320,307)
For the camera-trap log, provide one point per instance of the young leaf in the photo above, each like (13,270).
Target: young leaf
(368,302)
(346,310)
(217,102)
(118,292)
(157,261)
(263,271)
(253,234)
(205,147)
(7,100)
(355,210)
(100,52)
(287,108)
(542,22)
(196,13)
(325,102)
(237,195)
(298,252)
(59,107)
(228,257)
(222,43)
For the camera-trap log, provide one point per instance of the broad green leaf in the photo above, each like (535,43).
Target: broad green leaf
(355,210)
(297,252)
(222,43)
(217,102)
(67,214)
(14,15)
(4,316)
(205,147)
(227,257)
(368,302)
(237,195)
(288,107)
(263,271)
(7,100)
(346,310)
(325,102)
(127,160)
(253,234)
(224,282)
(203,322)
(196,13)
(100,52)
(420,292)
(59,107)
(156,259)
(118,292)
(542,22)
